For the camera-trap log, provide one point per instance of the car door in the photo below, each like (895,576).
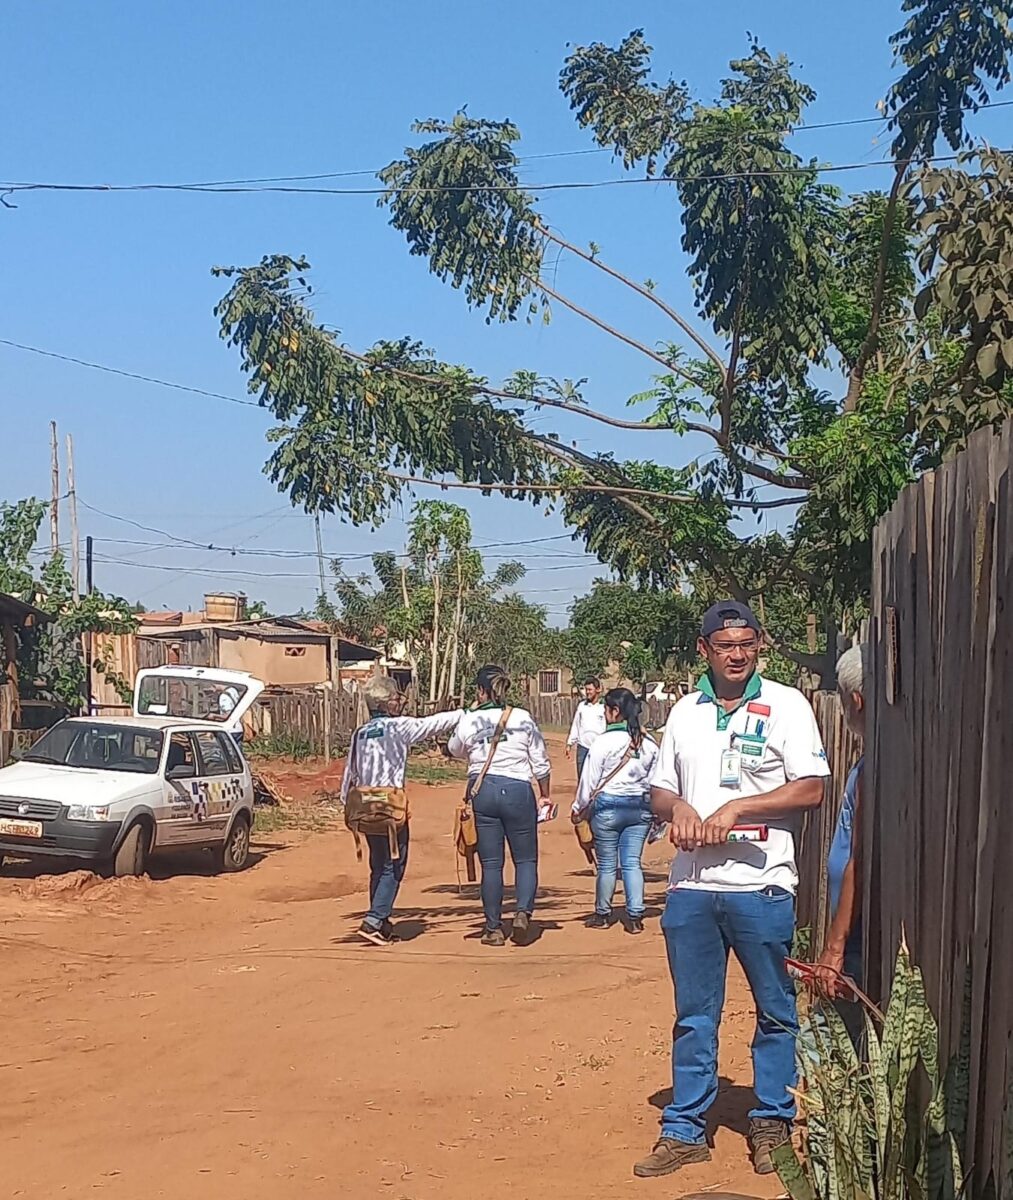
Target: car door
(176,820)
(221,782)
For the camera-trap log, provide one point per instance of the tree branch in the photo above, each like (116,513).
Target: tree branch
(498,393)
(857,376)
(606,328)
(683,324)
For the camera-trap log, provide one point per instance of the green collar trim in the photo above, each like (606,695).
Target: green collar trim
(706,687)
(620,725)
(489,704)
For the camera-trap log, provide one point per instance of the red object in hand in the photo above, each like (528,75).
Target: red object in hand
(748,833)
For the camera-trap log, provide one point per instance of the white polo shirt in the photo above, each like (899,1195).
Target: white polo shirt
(777,724)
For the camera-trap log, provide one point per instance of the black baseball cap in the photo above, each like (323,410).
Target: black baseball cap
(728,614)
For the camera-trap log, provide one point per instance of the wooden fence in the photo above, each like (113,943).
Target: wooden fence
(939,825)
(16,741)
(322,718)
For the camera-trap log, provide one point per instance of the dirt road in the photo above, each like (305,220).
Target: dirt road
(207,1038)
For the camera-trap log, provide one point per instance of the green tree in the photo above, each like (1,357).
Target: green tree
(647,632)
(436,604)
(787,275)
(52,664)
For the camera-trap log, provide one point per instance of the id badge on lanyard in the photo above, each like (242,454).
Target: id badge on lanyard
(731,768)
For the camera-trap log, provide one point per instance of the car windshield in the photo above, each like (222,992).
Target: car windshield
(100,746)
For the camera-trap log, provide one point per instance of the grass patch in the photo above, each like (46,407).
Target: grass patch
(435,771)
(279,745)
(310,818)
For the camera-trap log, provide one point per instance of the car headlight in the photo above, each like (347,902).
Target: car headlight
(88,812)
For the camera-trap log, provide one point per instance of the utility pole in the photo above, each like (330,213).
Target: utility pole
(54,505)
(89,635)
(75,548)
(320,555)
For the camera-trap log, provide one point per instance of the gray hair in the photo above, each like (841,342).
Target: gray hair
(853,670)
(379,690)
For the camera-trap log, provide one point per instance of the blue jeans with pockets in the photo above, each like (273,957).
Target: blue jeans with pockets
(505,811)
(700,929)
(620,825)
(385,875)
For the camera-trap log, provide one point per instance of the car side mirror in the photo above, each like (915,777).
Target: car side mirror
(181,771)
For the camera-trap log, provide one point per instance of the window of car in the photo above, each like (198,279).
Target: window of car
(214,760)
(231,753)
(100,746)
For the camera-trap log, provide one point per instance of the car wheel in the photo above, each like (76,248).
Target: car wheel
(132,856)
(234,854)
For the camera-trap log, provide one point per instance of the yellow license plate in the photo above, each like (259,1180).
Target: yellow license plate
(25,829)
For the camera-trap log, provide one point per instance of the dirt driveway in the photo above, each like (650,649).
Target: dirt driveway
(207,1038)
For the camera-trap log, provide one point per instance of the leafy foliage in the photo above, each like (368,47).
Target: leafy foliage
(785,271)
(950,49)
(480,233)
(52,663)
(651,634)
(612,95)
(437,605)
(868,1131)
(968,260)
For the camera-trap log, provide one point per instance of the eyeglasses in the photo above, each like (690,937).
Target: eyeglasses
(726,648)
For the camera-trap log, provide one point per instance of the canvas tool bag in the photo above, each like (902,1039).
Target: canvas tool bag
(375,812)
(582,828)
(465,833)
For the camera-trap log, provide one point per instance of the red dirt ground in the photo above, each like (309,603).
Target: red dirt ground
(202,1038)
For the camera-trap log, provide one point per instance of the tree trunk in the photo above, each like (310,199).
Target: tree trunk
(458,624)
(434,665)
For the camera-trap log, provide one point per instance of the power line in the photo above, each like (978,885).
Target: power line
(234,574)
(80,362)
(257,182)
(460,189)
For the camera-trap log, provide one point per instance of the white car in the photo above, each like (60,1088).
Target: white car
(112,791)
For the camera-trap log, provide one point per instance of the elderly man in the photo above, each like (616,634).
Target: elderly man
(377,758)
(842,955)
(742,750)
(588,722)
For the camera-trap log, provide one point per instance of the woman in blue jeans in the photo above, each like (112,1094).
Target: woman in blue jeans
(505,743)
(613,790)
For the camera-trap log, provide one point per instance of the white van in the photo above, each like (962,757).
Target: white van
(112,791)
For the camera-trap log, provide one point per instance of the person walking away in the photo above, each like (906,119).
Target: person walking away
(741,750)
(613,788)
(504,803)
(588,722)
(377,759)
(842,954)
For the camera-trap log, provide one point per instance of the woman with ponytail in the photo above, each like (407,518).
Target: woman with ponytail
(505,749)
(613,791)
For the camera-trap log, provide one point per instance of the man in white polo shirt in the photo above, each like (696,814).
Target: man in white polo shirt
(588,722)
(742,750)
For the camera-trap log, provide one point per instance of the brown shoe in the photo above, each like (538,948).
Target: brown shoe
(765,1135)
(668,1156)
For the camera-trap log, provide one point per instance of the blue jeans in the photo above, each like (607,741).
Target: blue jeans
(700,928)
(385,875)
(505,810)
(620,825)
(581,756)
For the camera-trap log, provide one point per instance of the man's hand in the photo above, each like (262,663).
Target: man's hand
(719,825)
(687,829)
(577,817)
(827,973)
(568,749)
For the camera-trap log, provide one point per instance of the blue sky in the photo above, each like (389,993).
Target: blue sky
(120,92)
